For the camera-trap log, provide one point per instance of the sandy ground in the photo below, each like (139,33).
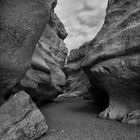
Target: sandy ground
(77,119)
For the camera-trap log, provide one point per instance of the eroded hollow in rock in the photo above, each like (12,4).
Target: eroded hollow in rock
(111,61)
(100,96)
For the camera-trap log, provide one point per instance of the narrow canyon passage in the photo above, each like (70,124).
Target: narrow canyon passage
(77,119)
(55,75)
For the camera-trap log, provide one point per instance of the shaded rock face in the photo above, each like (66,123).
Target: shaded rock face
(80,81)
(21,26)
(77,81)
(20,119)
(113,59)
(45,77)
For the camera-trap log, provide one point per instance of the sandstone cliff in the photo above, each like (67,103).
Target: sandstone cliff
(112,61)
(77,81)
(45,78)
(21,25)
(32,59)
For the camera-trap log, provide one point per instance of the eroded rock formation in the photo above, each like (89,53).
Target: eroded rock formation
(45,78)
(112,60)
(21,26)
(20,119)
(32,55)
(77,81)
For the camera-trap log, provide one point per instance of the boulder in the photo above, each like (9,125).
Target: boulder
(113,59)
(21,24)
(20,119)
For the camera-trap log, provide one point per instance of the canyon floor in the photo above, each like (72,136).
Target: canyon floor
(77,119)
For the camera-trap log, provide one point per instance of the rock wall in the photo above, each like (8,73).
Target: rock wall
(77,81)
(33,56)
(45,78)
(112,60)
(21,26)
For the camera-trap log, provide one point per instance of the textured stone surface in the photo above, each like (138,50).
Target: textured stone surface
(111,61)
(31,60)
(45,79)
(77,81)
(114,60)
(20,119)
(39,85)
(21,25)
(132,118)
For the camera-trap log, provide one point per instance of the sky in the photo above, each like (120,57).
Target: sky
(82,19)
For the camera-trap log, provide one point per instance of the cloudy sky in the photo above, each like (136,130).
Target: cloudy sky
(82,19)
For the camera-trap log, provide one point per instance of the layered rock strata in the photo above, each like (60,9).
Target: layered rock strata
(32,58)
(111,61)
(77,81)
(45,78)
(114,58)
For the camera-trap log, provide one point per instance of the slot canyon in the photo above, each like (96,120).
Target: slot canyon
(52,91)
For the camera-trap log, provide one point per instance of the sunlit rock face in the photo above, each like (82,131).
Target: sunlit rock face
(21,25)
(114,59)
(45,78)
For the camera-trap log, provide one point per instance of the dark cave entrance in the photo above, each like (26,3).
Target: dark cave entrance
(99,94)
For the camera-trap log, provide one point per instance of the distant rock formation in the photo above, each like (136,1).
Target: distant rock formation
(112,60)
(77,81)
